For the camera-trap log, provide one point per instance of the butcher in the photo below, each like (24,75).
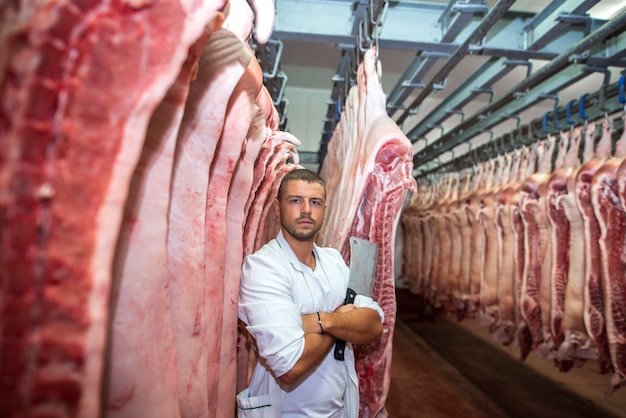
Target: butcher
(291,299)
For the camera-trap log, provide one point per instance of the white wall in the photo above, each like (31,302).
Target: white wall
(306,111)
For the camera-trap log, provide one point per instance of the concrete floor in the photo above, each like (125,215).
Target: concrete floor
(445,368)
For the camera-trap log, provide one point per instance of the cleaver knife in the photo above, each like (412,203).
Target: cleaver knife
(363,256)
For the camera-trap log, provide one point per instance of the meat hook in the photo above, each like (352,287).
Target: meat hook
(621,99)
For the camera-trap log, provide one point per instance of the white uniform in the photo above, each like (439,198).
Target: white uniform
(276,288)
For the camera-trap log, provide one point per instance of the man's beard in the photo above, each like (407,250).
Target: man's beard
(300,236)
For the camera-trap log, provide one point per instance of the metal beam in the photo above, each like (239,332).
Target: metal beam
(482,124)
(555,20)
(540,28)
(502,106)
(594,108)
(476,84)
(476,37)
(414,27)
(451,26)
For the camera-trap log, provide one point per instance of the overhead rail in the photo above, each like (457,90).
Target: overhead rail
(551,78)
(494,69)
(453,20)
(474,39)
(555,19)
(589,107)
(410,23)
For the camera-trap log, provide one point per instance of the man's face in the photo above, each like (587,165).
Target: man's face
(302,208)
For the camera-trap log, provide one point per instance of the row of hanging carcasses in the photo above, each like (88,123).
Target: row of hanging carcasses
(142,154)
(531,244)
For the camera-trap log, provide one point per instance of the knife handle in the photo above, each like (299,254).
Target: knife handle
(340,345)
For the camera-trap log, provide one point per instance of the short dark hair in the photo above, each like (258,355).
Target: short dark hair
(300,174)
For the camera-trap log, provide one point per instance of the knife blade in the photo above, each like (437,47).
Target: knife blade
(363,257)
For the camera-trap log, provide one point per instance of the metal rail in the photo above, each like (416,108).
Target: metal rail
(607,101)
(498,109)
(475,38)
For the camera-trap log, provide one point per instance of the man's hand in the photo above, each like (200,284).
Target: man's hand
(349,323)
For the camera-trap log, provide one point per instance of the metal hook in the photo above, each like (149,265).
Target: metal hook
(621,98)
(544,123)
(568,113)
(381,15)
(581,108)
(457,112)
(557,125)
(518,118)
(364,35)
(438,126)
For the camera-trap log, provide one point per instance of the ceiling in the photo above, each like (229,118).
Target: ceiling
(432,52)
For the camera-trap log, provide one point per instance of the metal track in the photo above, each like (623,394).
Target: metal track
(563,34)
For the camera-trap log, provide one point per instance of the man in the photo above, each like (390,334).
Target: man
(291,299)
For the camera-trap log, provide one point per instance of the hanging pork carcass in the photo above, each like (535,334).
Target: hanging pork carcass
(593,297)
(504,328)
(79,83)
(365,200)
(81,86)
(607,197)
(139,286)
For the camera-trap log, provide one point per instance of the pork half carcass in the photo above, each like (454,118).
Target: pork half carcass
(536,252)
(223,267)
(472,209)
(459,234)
(221,66)
(73,120)
(612,224)
(504,330)
(467,245)
(608,196)
(382,163)
(593,293)
(440,267)
(523,337)
(576,344)
(133,383)
(560,237)
(615,293)
(488,306)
